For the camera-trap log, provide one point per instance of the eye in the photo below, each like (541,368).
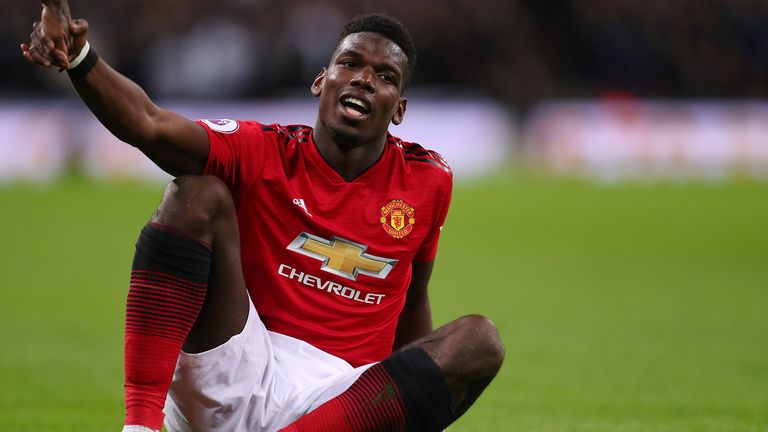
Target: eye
(387,78)
(348,63)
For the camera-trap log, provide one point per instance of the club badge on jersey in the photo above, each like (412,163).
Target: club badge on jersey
(397,218)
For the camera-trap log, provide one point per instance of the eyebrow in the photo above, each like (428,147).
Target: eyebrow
(386,66)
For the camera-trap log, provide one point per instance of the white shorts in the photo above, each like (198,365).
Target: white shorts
(258,381)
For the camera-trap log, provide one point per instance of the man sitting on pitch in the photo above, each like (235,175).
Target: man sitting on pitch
(282,282)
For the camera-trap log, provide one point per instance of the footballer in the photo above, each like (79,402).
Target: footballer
(281,285)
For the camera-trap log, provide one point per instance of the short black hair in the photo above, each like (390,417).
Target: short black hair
(387,26)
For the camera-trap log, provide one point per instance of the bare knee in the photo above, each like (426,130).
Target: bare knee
(484,349)
(192,204)
(469,352)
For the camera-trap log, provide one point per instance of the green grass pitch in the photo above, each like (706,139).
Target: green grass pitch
(623,308)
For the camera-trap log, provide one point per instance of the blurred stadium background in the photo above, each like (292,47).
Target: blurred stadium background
(609,214)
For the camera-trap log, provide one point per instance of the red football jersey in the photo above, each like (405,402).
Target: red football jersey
(325,260)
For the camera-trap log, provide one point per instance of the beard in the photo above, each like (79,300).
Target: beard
(346,138)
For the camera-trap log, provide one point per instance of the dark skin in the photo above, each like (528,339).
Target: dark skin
(366,67)
(370,68)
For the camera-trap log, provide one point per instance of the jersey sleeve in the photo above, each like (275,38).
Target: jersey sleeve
(237,151)
(428,249)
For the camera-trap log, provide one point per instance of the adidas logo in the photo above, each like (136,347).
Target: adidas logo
(300,202)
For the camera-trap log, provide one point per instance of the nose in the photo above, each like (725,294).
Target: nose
(364,79)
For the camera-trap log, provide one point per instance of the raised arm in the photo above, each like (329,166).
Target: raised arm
(176,144)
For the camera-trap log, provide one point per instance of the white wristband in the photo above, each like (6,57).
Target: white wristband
(83,52)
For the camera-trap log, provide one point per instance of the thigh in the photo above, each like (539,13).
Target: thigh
(312,376)
(228,388)
(258,381)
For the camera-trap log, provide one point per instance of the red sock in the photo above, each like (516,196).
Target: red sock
(372,404)
(167,290)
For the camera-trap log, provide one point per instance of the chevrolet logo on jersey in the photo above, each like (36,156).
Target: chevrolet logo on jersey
(342,257)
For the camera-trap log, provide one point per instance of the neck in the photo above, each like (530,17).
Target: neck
(347,156)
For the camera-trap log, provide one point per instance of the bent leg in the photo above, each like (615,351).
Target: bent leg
(201,207)
(186,289)
(468,353)
(425,386)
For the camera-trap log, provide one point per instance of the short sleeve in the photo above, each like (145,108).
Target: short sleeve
(428,249)
(237,151)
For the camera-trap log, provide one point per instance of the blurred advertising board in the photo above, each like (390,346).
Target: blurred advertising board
(611,141)
(631,139)
(42,138)
(33,143)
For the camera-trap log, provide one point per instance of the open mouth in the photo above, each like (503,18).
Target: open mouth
(355,107)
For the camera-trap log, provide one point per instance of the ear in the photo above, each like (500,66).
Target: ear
(317,84)
(397,118)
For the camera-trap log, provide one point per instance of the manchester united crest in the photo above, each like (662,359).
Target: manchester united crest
(397,218)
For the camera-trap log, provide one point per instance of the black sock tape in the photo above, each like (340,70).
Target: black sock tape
(422,385)
(168,252)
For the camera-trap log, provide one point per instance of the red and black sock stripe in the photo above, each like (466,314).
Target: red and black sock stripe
(373,402)
(405,392)
(169,279)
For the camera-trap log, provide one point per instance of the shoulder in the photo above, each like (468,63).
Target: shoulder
(286,134)
(286,130)
(277,130)
(228,126)
(416,155)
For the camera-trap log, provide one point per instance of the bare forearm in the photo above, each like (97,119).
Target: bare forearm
(119,104)
(415,322)
(415,319)
(174,143)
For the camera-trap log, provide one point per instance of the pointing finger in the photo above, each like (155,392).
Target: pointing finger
(53,3)
(59,8)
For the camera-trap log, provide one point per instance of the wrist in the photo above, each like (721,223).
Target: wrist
(80,56)
(82,64)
